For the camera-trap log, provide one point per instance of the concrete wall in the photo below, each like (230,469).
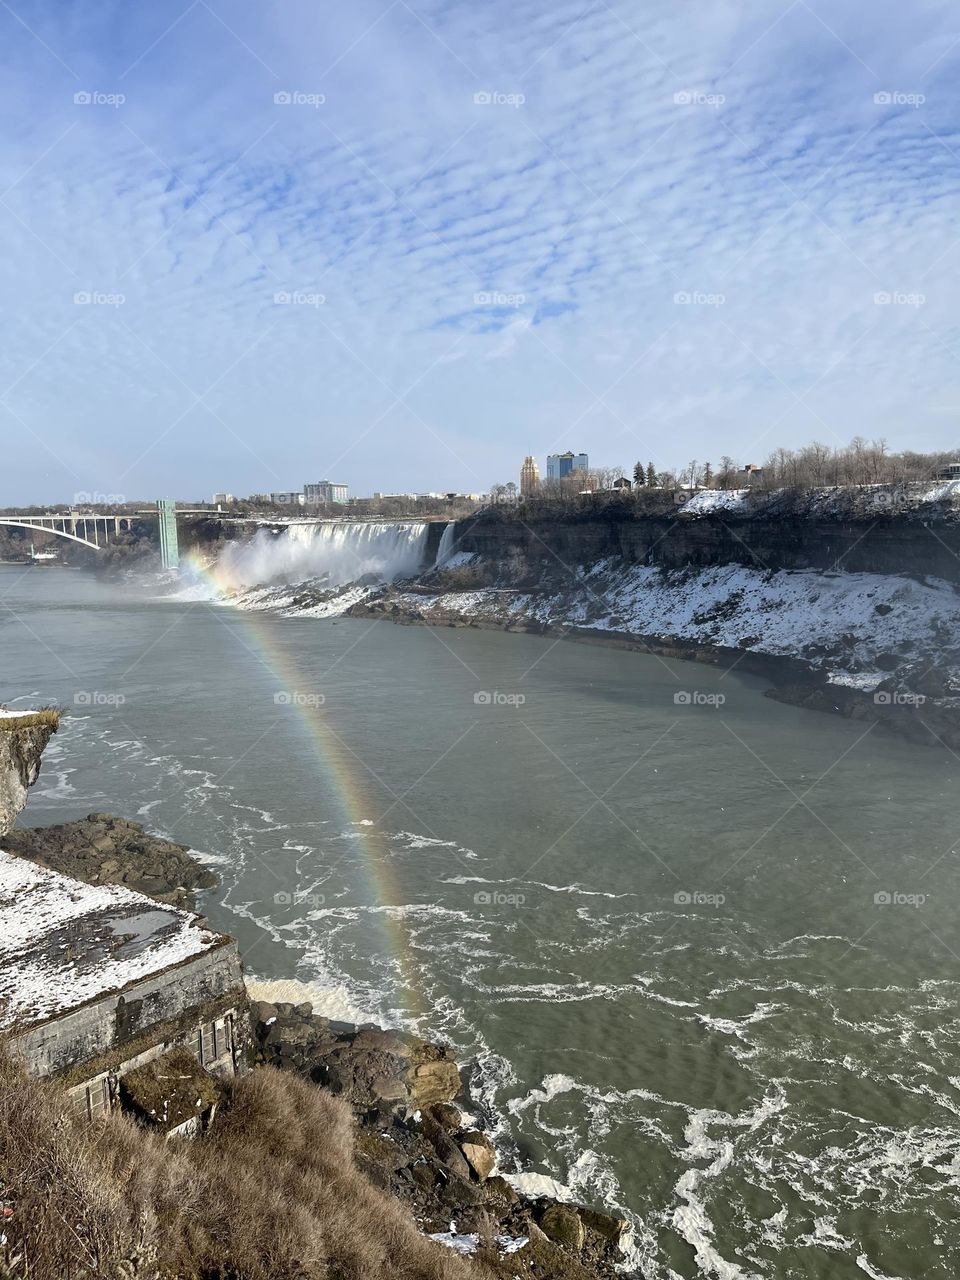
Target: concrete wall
(163,1006)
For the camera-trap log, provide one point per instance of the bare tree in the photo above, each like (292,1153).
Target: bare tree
(727,475)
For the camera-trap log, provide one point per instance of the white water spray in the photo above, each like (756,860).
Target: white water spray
(339,552)
(446,544)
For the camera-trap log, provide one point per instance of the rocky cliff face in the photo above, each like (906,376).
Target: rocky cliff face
(772,539)
(23,737)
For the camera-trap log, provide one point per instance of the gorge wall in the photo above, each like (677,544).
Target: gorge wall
(784,537)
(23,736)
(845,606)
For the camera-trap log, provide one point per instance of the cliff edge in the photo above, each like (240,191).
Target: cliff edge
(23,737)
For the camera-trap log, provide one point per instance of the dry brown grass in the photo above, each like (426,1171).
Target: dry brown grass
(271,1193)
(46,716)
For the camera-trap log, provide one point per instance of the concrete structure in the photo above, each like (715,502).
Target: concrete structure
(288,498)
(950,472)
(324,492)
(529,476)
(169,542)
(121,998)
(561,465)
(97,982)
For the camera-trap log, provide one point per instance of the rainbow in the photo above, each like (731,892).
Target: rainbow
(347,780)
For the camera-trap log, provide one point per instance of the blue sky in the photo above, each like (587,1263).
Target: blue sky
(405,244)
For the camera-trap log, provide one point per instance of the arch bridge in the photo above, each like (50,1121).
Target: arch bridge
(89,528)
(92,528)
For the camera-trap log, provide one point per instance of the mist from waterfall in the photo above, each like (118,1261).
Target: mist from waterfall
(446,544)
(339,552)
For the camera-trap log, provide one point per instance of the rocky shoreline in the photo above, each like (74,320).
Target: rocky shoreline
(413,1140)
(104,849)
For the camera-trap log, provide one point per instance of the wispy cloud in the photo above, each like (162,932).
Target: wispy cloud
(759,202)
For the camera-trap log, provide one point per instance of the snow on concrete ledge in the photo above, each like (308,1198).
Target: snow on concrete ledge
(63,943)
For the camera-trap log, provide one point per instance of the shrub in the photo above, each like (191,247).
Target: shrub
(271,1192)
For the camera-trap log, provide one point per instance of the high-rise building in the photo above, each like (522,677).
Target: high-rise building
(323,492)
(529,476)
(560,465)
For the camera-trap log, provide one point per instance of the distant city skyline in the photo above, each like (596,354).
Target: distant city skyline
(238,246)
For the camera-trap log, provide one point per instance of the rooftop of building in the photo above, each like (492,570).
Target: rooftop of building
(64,943)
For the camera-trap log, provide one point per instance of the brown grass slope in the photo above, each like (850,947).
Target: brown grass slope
(46,717)
(271,1193)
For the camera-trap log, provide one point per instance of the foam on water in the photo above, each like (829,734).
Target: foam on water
(336,1003)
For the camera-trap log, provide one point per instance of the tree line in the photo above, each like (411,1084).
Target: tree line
(813,466)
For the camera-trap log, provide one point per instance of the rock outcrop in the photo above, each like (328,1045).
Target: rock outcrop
(412,1141)
(23,737)
(103,849)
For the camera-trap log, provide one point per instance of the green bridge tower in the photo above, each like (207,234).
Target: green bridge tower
(169,545)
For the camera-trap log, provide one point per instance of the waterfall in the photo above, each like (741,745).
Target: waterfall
(337,551)
(446,544)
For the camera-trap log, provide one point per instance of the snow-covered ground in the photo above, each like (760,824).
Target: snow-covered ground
(296,600)
(936,500)
(115,937)
(856,616)
(711,500)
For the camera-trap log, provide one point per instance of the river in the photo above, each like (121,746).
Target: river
(699,950)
